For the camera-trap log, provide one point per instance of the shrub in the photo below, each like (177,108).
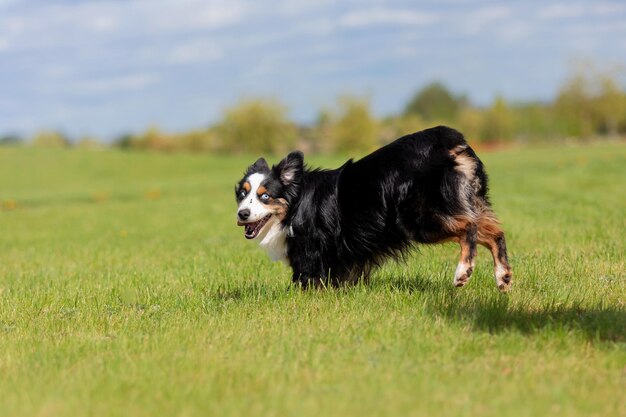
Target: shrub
(434,102)
(197,141)
(50,139)
(89,143)
(256,125)
(353,128)
(498,122)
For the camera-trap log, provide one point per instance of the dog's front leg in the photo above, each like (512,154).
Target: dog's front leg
(307,275)
(305,281)
(307,262)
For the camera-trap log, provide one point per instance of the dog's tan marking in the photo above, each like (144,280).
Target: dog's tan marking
(466,165)
(491,236)
(274,236)
(246,186)
(458,149)
(469,183)
(262,190)
(455,225)
(279,207)
(488,225)
(467,241)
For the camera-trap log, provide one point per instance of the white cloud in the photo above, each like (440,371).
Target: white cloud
(6,3)
(607,8)
(10,28)
(190,14)
(300,7)
(323,26)
(405,51)
(57,72)
(4,44)
(561,10)
(481,19)
(72,23)
(131,82)
(104,24)
(373,17)
(195,51)
(515,31)
(569,10)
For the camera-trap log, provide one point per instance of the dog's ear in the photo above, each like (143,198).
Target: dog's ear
(259,166)
(289,170)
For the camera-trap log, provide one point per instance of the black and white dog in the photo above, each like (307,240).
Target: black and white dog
(333,226)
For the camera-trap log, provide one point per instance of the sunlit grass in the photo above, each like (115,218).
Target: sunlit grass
(127,289)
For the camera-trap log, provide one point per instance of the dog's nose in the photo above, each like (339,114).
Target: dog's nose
(243,214)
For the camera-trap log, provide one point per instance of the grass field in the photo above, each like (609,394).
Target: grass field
(127,289)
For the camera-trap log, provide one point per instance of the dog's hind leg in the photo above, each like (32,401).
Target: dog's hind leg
(467,240)
(491,236)
(473,191)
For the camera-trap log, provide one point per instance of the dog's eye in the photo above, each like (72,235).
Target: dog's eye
(265,197)
(242,193)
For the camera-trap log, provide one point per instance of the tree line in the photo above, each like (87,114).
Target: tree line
(589,105)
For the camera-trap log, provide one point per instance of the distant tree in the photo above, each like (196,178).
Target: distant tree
(498,122)
(307,140)
(10,140)
(324,117)
(322,140)
(256,125)
(470,122)
(609,105)
(196,141)
(533,121)
(50,139)
(354,127)
(123,141)
(435,102)
(88,142)
(591,102)
(153,139)
(573,109)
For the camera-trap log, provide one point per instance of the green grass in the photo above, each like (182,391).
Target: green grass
(127,289)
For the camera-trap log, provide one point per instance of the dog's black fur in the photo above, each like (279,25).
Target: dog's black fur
(427,187)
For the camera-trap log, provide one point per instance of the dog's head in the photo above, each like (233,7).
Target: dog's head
(265,194)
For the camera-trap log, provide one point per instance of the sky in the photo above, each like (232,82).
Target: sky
(106,68)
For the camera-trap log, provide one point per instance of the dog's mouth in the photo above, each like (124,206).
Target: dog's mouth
(252,229)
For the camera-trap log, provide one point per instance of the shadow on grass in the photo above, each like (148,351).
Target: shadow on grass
(484,311)
(495,312)
(412,285)
(220,297)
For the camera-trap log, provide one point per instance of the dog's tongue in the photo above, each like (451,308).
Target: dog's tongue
(250,231)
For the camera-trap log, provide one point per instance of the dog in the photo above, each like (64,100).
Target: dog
(333,226)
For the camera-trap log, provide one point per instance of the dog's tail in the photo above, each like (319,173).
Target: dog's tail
(466,167)
(471,172)
(473,190)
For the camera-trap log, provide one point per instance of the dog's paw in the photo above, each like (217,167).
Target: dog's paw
(307,283)
(462,274)
(504,279)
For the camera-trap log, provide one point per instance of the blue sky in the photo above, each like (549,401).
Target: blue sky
(109,67)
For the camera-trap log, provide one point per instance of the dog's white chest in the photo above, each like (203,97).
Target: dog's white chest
(275,243)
